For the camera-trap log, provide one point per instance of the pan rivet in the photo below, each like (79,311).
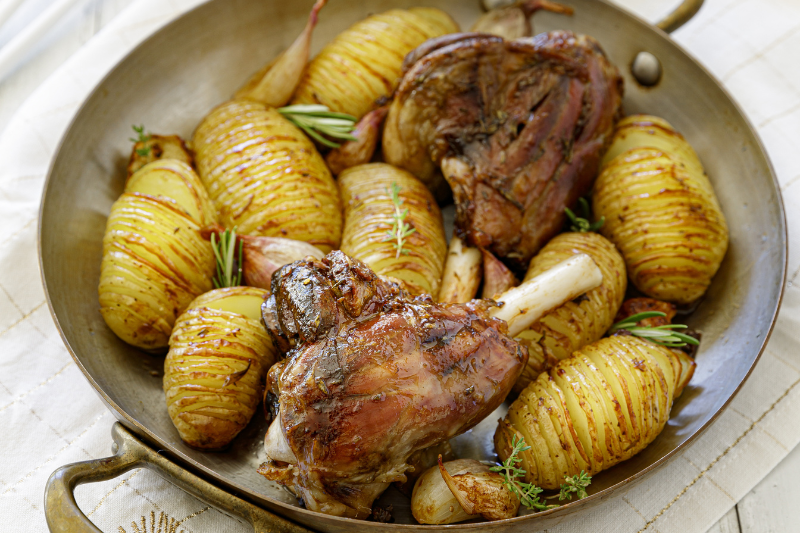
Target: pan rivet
(646,68)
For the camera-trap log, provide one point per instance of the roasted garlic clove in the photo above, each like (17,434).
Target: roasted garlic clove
(461,490)
(353,153)
(513,21)
(274,84)
(421,461)
(497,278)
(261,256)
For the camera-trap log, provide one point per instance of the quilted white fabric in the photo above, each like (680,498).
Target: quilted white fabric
(52,417)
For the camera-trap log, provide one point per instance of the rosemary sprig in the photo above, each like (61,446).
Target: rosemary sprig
(141,137)
(576,484)
(319,122)
(225,251)
(581,224)
(527,493)
(663,335)
(400,228)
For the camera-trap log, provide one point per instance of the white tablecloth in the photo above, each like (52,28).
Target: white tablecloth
(52,417)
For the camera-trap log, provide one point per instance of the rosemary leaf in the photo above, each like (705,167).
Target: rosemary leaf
(320,123)
(664,335)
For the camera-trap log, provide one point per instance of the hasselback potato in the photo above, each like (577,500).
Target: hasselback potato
(660,211)
(595,409)
(155,261)
(265,176)
(364,62)
(219,354)
(370,213)
(577,323)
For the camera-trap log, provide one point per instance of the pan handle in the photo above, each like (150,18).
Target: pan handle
(680,16)
(64,515)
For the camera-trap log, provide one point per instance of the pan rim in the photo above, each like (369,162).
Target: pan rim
(246,493)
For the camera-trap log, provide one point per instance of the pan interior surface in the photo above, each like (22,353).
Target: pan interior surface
(174,78)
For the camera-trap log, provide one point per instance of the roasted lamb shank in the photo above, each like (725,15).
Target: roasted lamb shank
(516,127)
(375,375)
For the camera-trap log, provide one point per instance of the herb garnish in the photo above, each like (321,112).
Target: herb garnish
(662,335)
(400,228)
(225,251)
(141,137)
(318,120)
(527,493)
(581,224)
(576,484)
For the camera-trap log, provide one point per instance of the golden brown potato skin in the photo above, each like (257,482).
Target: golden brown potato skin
(593,410)
(575,324)
(660,211)
(364,62)
(265,176)
(215,368)
(155,261)
(158,147)
(369,210)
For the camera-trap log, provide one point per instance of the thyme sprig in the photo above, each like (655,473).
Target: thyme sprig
(581,223)
(225,253)
(400,228)
(528,493)
(319,123)
(663,335)
(575,484)
(141,137)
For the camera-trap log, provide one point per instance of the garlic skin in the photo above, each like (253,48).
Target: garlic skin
(513,21)
(264,255)
(445,493)
(274,84)
(354,153)
(497,278)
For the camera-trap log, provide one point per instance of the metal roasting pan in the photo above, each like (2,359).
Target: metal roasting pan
(175,77)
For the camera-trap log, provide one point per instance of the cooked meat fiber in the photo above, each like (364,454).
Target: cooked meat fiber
(516,127)
(374,377)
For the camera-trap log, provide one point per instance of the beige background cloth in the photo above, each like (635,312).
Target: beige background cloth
(51,416)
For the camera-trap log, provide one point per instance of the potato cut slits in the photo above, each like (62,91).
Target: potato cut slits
(214,372)
(369,214)
(575,324)
(266,177)
(660,210)
(593,410)
(364,63)
(155,261)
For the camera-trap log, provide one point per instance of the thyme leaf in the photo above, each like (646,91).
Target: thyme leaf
(528,493)
(575,484)
(141,137)
(581,223)
(400,228)
(229,267)
(320,123)
(663,335)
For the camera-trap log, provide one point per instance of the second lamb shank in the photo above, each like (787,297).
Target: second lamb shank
(516,127)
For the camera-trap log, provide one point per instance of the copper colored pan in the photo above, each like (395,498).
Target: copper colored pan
(175,77)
